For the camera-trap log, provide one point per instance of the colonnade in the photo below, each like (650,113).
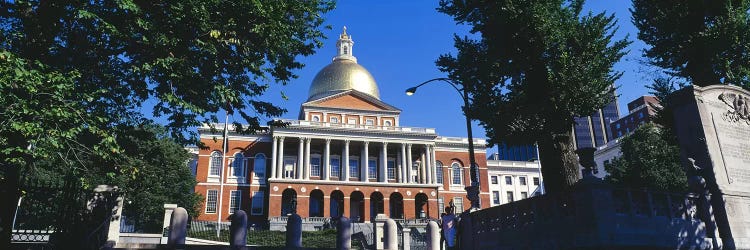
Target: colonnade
(404,154)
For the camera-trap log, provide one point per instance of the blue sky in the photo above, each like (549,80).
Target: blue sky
(399,41)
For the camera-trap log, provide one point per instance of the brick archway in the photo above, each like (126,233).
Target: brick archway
(357,206)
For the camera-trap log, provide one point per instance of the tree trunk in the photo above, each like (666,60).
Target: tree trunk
(10,195)
(559,162)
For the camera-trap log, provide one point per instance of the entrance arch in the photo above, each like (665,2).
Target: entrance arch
(357,207)
(288,202)
(337,204)
(396,206)
(421,209)
(316,203)
(376,205)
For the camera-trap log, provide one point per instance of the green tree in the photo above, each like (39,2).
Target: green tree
(537,65)
(648,161)
(704,42)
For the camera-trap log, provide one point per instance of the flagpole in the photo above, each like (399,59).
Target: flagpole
(539,165)
(224,149)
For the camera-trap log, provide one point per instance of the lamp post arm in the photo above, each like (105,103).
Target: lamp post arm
(449,82)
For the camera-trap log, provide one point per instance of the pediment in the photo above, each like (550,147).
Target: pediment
(351,99)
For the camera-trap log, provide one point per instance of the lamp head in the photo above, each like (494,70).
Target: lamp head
(411,91)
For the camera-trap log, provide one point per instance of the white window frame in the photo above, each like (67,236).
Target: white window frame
(233,177)
(374,166)
(289,174)
(234,205)
(510,196)
(352,121)
(439,173)
(320,163)
(387,123)
(460,174)
(315,118)
(208,201)
(334,120)
(496,197)
(459,203)
(255,204)
(523,181)
(441,205)
(330,166)
(493,180)
(369,122)
(260,179)
(508,177)
(354,174)
(212,166)
(390,162)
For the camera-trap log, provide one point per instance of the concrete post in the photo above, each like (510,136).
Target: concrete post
(433,236)
(294,231)
(238,229)
(379,221)
(113,236)
(168,209)
(391,235)
(406,234)
(344,234)
(178,229)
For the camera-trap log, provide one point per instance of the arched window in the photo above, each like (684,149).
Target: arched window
(439,172)
(238,165)
(259,166)
(456,169)
(214,167)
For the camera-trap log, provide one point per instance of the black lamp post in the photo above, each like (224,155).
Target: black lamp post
(472,191)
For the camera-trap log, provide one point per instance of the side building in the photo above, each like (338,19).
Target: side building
(510,181)
(346,155)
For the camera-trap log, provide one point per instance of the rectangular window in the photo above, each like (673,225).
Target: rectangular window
(369,122)
(352,121)
(524,195)
(391,169)
(441,205)
(315,166)
(536,181)
(372,168)
(439,174)
(289,165)
(495,197)
(494,179)
(508,180)
(353,167)
(510,196)
(459,203)
(257,206)
(335,167)
(215,166)
(456,175)
(234,200)
(211,198)
(522,180)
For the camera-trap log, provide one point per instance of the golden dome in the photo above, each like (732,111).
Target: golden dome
(343,74)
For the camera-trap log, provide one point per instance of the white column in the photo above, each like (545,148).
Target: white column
(273,158)
(384,163)
(409,163)
(327,160)
(422,169)
(345,157)
(280,166)
(427,164)
(434,164)
(404,166)
(307,158)
(365,161)
(300,158)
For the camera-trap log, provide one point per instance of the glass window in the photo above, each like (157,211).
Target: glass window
(259,166)
(495,197)
(353,167)
(391,169)
(387,123)
(211,198)
(372,168)
(334,120)
(315,165)
(508,180)
(215,167)
(524,195)
(456,174)
(441,205)
(352,121)
(522,180)
(289,164)
(257,206)
(238,165)
(459,203)
(234,200)
(439,172)
(536,181)
(335,167)
(510,196)
(369,122)
(316,118)
(493,179)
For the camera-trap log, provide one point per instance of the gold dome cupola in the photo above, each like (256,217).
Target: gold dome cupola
(343,74)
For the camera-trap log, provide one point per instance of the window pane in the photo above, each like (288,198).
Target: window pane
(257,206)
(439,172)
(524,195)
(510,196)
(495,197)
(211,197)
(522,181)
(335,167)
(441,205)
(353,167)
(234,200)
(459,203)
(536,181)
(372,166)
(238,165)
(508,180)
(494,179)
(391,170)
(315,166)
(260,166)
(215,166)
(456,174)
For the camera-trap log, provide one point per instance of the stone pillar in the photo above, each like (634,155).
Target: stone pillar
(274,158)
(433,236)
(406,234)
(379,231)
(390,241)
(427,164)
(409,163)
(113,234)
(327,160)
(344,234)
(434,164)
(300,159)
(280,167)
(294,231)
(345,160)
(384,164)
(178,229)
(404,166)
(238,229)
(168,209)
(366,161)
(307,158)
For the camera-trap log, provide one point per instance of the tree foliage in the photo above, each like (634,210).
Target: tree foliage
(537,65)
(648,160)
(704,42)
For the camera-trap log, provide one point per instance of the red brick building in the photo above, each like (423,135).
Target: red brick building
(347,155)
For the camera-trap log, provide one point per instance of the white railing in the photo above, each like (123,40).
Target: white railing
(295,123)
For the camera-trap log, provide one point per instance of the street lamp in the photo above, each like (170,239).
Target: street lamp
(472,191)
